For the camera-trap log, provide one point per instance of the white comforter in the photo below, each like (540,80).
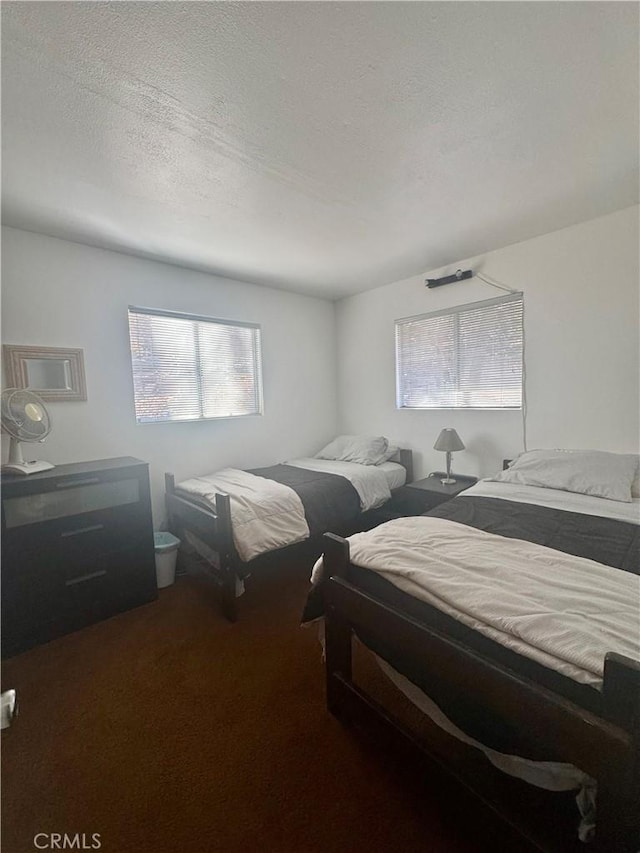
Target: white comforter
(265,515)
(563,611)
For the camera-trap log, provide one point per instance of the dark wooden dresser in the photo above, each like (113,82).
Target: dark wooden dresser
(77,547)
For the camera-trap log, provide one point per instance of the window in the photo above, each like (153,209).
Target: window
(188,368)
(463,358)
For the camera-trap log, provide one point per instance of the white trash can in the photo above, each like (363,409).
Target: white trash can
(166,547)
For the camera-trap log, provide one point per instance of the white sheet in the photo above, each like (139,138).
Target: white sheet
(265,515)
(395,473)
(562,611)
(550,775)
(369,481)
(556,499)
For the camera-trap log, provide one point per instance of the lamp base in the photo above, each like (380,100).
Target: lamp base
(448,481)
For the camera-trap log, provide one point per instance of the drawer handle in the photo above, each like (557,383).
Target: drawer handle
(83,578)
(71,484)
(81,530)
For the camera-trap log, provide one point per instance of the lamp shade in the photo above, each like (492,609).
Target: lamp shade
(448,441)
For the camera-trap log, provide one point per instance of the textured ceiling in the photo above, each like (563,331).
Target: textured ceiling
(321,147)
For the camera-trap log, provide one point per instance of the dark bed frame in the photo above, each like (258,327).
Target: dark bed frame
(214,528)
(605,746)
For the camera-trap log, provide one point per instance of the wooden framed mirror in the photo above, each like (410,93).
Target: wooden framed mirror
(53,373)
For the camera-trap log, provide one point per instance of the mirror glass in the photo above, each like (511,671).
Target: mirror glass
(48,373)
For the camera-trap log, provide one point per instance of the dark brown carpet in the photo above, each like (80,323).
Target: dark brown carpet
(169,729)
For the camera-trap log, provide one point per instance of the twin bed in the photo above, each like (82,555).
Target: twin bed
(235,520)
(511,617)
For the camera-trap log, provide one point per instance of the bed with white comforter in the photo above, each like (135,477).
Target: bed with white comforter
(564,612)
(267,514)
(541,600)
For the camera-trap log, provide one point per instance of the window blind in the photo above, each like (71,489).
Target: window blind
(189,368)
(466,357)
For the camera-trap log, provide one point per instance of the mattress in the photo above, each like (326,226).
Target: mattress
(608,541)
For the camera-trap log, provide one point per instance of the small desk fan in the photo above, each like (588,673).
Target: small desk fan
(24,418)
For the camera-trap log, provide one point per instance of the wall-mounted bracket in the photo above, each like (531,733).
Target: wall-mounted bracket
(459,275)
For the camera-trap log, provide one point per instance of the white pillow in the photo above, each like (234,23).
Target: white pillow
(586,472)
(392,454)
(366,450)
(334,449)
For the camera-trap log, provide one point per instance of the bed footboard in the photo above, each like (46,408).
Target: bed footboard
(605,746)
(214,529)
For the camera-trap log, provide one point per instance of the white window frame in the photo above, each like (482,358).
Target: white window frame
(200,318)
(455,312)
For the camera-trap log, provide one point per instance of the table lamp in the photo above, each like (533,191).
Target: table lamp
(448,441)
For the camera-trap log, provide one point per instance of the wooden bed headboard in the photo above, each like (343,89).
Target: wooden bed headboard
(406,460)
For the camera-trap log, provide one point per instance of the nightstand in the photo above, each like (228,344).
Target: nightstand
(422,495)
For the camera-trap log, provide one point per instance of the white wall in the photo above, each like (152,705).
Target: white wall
(582,353)
(57,293)
(580,289)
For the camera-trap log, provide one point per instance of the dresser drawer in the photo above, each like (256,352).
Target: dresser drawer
(108,529)
(39,609)
(51,567)
(71,498)
(112,583)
